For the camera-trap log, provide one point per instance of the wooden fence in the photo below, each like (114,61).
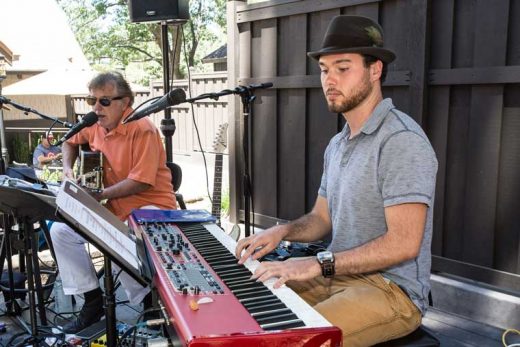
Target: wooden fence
(457,73)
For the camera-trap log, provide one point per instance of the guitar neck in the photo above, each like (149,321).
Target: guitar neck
(217,188)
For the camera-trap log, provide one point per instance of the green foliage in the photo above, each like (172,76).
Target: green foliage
(53,176)
(110,41)
(224,203)
(21,152)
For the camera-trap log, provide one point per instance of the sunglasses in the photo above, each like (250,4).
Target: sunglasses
(104,101)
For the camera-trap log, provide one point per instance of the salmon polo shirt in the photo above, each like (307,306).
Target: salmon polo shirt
(135,151)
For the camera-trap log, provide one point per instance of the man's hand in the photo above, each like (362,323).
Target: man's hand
(260,244)
(292,269)
(96,194)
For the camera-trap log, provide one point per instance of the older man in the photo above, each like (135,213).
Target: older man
(135,176)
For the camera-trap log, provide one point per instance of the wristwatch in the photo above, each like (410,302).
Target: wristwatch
(326,260)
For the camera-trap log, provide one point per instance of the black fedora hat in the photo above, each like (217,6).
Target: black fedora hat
(354,34)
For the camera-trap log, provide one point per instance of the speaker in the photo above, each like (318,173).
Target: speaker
(158,10)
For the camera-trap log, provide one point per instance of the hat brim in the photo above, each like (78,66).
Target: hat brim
(383,54)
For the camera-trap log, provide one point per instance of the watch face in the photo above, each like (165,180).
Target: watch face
(325,256)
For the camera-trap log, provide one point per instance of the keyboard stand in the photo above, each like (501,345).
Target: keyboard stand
(25,208)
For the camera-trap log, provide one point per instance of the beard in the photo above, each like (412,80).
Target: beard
(357,96)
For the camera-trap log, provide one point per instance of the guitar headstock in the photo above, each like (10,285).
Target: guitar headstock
(220,142)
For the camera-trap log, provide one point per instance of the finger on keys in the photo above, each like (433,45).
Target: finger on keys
(248,250)
(241,245)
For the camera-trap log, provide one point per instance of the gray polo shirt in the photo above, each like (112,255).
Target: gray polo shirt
(389,162)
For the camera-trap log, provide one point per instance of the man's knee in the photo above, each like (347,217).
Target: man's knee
(61,232)
(368,314)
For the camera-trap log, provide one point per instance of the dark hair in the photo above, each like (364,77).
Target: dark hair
(122,86)
(369,60)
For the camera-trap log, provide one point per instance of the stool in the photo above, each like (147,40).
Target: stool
(420,337)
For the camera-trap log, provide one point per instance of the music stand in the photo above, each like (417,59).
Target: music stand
(111,236)
(27,207)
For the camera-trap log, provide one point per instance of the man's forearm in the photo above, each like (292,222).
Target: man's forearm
(124,188)
(307,228)
(313,226)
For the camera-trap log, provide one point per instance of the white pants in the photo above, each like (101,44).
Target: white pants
(77,272)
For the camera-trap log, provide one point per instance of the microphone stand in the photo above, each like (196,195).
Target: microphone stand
(247,97)
(27,110)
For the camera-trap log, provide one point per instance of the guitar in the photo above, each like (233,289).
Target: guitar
(90,169)
(219,145)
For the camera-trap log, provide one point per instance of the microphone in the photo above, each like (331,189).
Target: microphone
(88,120)
(174,97)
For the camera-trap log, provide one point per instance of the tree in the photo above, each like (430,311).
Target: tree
(110,40)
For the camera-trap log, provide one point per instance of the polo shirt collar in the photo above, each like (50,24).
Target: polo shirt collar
(377,116)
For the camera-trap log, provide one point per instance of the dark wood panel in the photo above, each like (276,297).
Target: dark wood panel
(442,13)
(463,33)
(244,47)
(419,40)
(291,155)
(265,11)
(321,126)
(441,42)
(477,75)
(370,10)
(483,145)
(264,48)
(291,120)
(513,44)
(263,153)
(396,36)
(437,124)
(292,42)
(507,237)
(484,135)
(456,172)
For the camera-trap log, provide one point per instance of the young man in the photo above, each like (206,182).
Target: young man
(45,153)
(135,176)
(376,198)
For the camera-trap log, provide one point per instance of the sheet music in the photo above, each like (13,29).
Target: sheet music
(83,212)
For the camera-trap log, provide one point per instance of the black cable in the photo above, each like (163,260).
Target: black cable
(193,117)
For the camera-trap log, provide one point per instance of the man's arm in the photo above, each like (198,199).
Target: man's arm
(70,153)
(310,227)
(400,243)
(121,189)
(45,160)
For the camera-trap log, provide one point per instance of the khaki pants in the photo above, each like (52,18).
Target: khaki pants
(367,309)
